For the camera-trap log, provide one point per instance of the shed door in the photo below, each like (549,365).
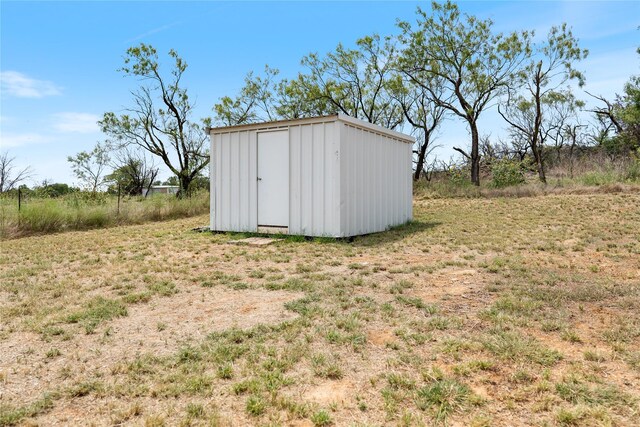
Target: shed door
(273,179)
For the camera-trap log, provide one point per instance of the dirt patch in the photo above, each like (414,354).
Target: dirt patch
(330,392)
(160,328)
(458,273)
(380,338)
(447,284)
(162,325)
(253,241)
(301,423)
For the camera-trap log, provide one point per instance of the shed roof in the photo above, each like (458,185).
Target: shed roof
(320,119)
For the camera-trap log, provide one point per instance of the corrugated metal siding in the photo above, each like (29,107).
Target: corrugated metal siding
(314,156)
(234,184)
(376,193)
(313,181)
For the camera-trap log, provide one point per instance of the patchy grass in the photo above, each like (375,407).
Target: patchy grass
(11,415)
(479,312)
(98,310)
(442,397)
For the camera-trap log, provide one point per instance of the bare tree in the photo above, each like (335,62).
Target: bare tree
(576,137)
(542,109)
(10,177)
(489,152)
(563,115)
(160,122)
(607,113)
(423,114)
(133,171)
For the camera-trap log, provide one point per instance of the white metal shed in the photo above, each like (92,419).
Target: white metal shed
(324,176)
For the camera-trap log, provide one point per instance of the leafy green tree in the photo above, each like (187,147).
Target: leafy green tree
(544,106)
(298,98)
(620,119)
(201,183)
(629,113)
(476,65)
(356,82)
(254,103)
(58,189)
(161,120)
(90,166)
(172,180)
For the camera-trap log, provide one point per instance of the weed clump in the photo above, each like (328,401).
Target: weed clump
(98,310)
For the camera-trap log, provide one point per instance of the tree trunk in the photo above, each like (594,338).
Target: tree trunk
(536,141)
(540,166)
(571,161)
(475,154)
(536,150)
(185,182)
(422,153)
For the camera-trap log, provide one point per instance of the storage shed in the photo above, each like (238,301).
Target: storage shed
(324,176)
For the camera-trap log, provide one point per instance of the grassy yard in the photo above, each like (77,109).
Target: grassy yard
(500,311)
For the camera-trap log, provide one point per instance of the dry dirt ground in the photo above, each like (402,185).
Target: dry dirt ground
(480,312)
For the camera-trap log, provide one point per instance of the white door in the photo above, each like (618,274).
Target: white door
(273,178)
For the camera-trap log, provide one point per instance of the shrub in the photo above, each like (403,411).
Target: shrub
(633,172)
(458,176)
(597,179)
(98,310)
(93,218)
(507,173)
(443,397)
(321,418)
(256,406)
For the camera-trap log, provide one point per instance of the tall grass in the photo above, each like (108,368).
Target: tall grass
(42,215)
(607,176)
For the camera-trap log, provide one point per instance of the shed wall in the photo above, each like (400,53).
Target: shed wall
(376,186)
(314,179)
(314,154)
(234,181)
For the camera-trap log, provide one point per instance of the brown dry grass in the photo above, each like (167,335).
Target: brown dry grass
(480,312)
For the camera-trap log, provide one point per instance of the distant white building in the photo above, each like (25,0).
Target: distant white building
(160,189)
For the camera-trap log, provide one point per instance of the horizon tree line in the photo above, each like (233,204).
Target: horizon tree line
(446,64)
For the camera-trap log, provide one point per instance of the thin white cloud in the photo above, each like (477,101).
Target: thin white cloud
(20,85)
(153,31)
(75,122)
(11,140)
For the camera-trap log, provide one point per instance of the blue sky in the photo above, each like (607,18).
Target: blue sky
(59,59)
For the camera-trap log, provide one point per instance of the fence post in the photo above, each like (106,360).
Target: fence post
(118,198)
(19,199)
